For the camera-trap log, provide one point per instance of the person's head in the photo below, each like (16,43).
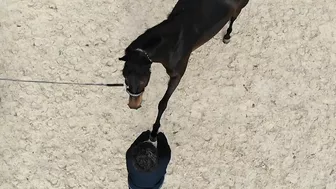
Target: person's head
(145,157)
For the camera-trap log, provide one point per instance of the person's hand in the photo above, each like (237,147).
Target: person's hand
(162,139)
(142,137)
(162,145)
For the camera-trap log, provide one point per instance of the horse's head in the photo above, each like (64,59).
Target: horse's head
(137,74)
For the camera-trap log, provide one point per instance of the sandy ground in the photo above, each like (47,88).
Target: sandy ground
(256,113)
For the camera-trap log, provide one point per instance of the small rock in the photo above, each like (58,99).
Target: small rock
(71,182)
(207,137)
(221,142)
(31,4)
(50,17)
(230,182)
(38,42)
(170,171)
(53,6)
(102,177)
(113,177)
(59,26)
(89,176)
(104,38)
(109,63)
(288,162)
(331,185)
(292,178)
(52,180)
(50,134)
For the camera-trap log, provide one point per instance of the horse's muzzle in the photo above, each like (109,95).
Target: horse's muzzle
(135,102)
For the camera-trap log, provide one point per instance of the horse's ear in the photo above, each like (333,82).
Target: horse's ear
(124,58)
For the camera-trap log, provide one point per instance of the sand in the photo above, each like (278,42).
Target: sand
(256,113)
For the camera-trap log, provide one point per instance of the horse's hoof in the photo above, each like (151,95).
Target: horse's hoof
(226,41)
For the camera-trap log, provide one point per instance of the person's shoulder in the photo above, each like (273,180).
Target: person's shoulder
(128,154)
(165,158)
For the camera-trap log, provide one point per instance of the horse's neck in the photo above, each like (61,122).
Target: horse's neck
(167,30)
(163,29)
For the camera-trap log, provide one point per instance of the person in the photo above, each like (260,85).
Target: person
(147,160)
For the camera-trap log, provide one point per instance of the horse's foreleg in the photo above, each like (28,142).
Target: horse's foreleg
(174,81)
(172,85)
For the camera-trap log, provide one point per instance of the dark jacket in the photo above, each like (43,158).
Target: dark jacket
(149,180)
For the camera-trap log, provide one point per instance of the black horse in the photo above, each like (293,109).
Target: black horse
(190,24)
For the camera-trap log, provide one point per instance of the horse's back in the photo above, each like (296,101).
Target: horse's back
(183,6)
(201,13)
(200,20)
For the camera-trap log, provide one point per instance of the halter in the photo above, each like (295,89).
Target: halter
(145,53)
(133,94)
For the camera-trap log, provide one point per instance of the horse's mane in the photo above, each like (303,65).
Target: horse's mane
(181,7)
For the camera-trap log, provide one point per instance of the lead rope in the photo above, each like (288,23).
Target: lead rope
(63,83)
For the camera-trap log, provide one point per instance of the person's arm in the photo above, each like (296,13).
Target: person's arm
(141,138)
(163,147)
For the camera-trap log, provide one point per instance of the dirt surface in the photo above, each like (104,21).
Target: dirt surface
(256,113)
